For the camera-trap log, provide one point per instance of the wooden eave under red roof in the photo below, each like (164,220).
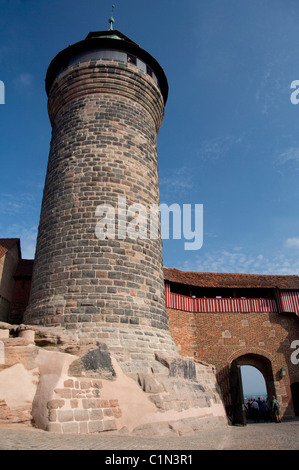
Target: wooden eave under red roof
(231,281)
(24,268)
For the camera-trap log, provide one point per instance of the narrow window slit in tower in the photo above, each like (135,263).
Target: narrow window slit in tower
(132,59)
(149,71)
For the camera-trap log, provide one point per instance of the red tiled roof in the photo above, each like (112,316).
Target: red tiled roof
(24,268)
(225,280)
(7,243)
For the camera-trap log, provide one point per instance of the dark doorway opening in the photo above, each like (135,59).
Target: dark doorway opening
(295,397)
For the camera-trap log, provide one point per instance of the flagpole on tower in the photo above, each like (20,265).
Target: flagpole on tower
(111,19)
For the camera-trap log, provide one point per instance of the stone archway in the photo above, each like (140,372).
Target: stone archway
(231,384)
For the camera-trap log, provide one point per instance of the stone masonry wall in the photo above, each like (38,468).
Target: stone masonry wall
(78,408)
(105,118)
(221,338)
(92,392)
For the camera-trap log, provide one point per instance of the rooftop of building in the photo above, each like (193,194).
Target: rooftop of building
(231,281)
(191,278)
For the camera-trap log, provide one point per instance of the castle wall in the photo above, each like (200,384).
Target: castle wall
(221,338)
(8,266)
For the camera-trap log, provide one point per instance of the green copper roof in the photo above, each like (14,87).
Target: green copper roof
(111,36)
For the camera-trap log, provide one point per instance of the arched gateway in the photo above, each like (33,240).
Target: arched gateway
(230,382)
(230,320)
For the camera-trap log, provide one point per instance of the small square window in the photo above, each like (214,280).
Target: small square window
(131,59)
(149,71)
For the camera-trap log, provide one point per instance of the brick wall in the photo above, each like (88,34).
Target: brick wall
(218,339)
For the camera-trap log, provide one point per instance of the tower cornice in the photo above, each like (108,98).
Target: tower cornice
(107,40)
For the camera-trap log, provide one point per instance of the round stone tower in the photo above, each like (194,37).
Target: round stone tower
(96,271)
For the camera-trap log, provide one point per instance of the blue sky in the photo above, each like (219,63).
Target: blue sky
(253,382)
(230,137)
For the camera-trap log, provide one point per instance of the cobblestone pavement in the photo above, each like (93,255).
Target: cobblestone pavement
(260,436)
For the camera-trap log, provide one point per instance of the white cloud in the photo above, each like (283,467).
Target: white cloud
(273,84)
(290,154)
(292,243)
(179,180)
(13,204)
(217,148)
(27,237)
(237,261)
(287,160)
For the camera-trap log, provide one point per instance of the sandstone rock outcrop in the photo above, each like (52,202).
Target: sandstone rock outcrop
(92,391)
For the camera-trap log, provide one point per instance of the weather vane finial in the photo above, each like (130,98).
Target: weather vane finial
(111,19)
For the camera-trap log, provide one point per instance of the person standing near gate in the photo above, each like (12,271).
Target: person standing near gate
(261,408)
(275,410)
(255,409)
